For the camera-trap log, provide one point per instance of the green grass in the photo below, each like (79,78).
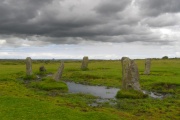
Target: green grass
(21,109)
(132,94)
(49,84)
(98,73)
(153,109)
(26,97)
(20,102)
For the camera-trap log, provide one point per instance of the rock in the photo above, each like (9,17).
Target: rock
(84,65)
(28,66)
(130,74)
(42,69)
(147,66)
(122,64)
(57,76)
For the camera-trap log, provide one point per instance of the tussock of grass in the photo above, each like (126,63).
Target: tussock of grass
(132,94)
(42,73)
(29,77)
(49,84)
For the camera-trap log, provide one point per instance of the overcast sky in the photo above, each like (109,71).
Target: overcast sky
(100,29)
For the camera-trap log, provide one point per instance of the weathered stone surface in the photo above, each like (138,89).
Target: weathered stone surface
(42,69)
(57,76)
(147,66)
(130,74)
(28,66)
(122,62)
(84,65)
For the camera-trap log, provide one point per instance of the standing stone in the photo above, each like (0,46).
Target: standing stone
(147,66)
(84,65)
(57,76)
(28,66)
(122,62)
(130,74)
(42,68)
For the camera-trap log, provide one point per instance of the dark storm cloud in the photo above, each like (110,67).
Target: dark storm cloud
(30,17)
(157,7)
(15,15)
(71,22)
(19,10)
(44,18)
(110,7)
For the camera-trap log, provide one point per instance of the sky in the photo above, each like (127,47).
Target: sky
(99,29)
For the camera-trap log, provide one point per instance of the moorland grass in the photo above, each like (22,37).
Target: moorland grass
(132,94)
(49,84)
(20,101)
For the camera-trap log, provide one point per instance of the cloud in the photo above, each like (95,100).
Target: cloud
(163,20)
(44,22)
(158,7)
(2,42)
(106,7)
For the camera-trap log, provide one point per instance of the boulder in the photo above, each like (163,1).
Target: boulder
(42,68)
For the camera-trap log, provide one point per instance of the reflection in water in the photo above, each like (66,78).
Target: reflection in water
(154,95)
(100,91)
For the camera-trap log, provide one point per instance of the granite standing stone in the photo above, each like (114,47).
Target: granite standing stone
(28,66)
(130,74)
(42,68)
(147,66)
(84,65)
(57,76)
(122,64)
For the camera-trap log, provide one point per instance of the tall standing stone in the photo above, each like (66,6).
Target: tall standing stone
(147,66)
(28,66)
(130,74)
(122,64)
(57,76)
(84,65)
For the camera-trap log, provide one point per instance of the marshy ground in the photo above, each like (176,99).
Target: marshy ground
(32,97)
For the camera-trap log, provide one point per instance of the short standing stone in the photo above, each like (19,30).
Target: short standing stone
(130,74)
(28,66)
(147,66)
(84,65)
(42,69)
(57,76)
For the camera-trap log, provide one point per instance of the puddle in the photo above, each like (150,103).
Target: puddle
(49,75)
(99,91)
(103,92)
(154,95)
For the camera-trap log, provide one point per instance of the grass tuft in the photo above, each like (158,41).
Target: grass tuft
(49,84)
(29,77)
(132,94)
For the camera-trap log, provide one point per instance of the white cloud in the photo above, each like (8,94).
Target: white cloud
(2,42)
(94,51)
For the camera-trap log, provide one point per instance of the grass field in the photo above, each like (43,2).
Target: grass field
(25,98)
